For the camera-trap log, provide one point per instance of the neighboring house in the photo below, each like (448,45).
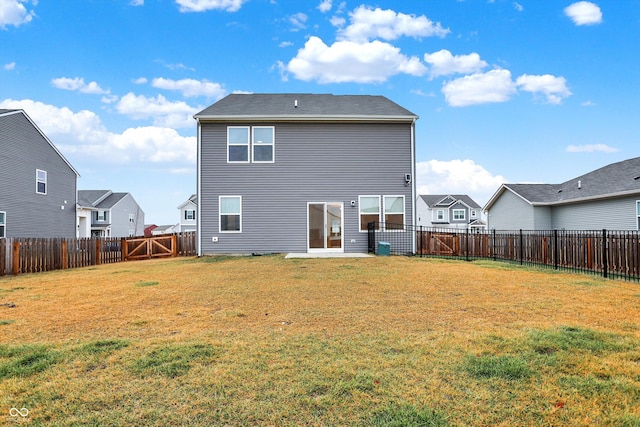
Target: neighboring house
(164,229)
(37,184)
(148,229)
(302,172)
(188,214)
(607,198)
(449,211)
(103,213)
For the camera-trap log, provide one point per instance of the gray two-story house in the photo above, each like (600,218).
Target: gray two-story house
(606,198)
(449,211)
(103,213)
(37,184)
(302,172)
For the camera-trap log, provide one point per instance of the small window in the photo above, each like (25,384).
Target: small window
(132,217)
(190,214)
(263,144)
(440,215)
(458,215)
(101,216)
(473,213)
(3,224)
(369,211)
(394,212)
(41,181)
(132,232)
(238,144)
(230,214)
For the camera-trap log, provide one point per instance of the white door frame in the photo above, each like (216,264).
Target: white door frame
(325,247)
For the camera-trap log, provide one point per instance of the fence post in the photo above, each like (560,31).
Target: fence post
(555,249)
(493,245)
(605,260)
(16,258)
(63,255)
(521,255)
(174,245)
(98,250)
(124,249)
(371,243)
(467,245)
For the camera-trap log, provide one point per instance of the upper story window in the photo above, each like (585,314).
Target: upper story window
(101,216)
(394,212)
(41,181)
(250,144)
(3,224)
(190,214)
(474,213)
(440,215)
(458,215)
(369,211)
(132,218)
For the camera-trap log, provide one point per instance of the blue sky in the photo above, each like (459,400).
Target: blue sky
(507,91)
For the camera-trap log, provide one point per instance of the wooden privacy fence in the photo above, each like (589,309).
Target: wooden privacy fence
(610,253)
(33,255)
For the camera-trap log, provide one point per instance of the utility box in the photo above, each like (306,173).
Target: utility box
(384,248)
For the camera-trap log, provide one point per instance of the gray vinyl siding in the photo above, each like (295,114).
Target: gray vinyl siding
(23,150)
(119,217)
(612,214)
(313,163)
(510,212)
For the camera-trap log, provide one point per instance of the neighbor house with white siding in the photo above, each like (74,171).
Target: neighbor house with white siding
(37,184)
(302,172)
(607,198)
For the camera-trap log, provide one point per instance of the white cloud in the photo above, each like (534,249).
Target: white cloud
(584,13)
(299,21)
(285,44)
(554,88)
(163,112)
(137,3)
(78,84)
(590,148)
(346,61)
(140,81)
(367,24)
(444,63)
(480,88)
(204,5)
(517,6)
(83,134)
(457,177)
(191,87)
(13,12)
(325,6)
(10,66)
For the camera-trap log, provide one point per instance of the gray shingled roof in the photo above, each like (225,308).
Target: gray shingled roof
(432,199)
(88,198)
(619,178)
(309,106)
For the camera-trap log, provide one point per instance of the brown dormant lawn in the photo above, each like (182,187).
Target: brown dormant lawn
(387,341)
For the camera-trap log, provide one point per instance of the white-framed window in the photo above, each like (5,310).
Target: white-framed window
(439,215)
(41,181)
(638,212)
(238,144)
(101,216)
(247,144)
(458,215)
(230,209)
(394,212)
(263,144)
(474,213)
(132,232)
(3,224)
(369,207)
(132,218)
(190,214)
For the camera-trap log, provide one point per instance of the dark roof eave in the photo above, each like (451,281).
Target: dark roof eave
(590,198)
(304,118)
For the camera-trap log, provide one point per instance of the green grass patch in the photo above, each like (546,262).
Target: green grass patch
(6,322)
(405,416)
(104,346)
(145,284)
(26,360)
(173,360)
(504,367)
(574,339)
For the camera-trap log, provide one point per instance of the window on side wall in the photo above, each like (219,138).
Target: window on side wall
(440,215)
(41,181)
(394,212)
(238,144)
(230,208)
(132,218)
(101,216)
(190,214)
(369,207)
(638,213)
(263,137)
(3,224)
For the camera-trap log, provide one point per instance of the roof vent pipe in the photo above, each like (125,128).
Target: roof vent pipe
(295,104)
(579,185)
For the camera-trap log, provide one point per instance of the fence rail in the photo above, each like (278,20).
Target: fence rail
(33,255)
(608,253)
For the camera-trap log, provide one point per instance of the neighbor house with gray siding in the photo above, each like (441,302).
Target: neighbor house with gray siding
(103,213)
(607,198)
(302,172)
(449,211)
(37,184)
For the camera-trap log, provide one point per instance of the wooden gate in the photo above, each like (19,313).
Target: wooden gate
(149,247)
(445,244)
